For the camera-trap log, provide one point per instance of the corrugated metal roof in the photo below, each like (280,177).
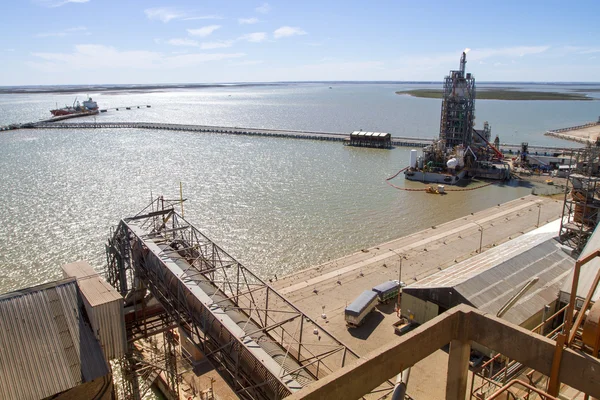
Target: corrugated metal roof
(45,345)
(362,301)
(588,271)
(490,280)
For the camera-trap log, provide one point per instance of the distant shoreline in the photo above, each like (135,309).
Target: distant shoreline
(124,88)
(121,88)
(501,94)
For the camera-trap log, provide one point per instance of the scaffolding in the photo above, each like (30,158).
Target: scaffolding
(458,107)
(260,343)
(582,198)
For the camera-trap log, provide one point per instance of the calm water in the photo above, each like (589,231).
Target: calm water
(277,205)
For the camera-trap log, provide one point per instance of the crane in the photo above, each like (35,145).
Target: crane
(496,151)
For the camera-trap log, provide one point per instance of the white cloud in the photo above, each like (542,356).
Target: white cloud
(204,31)
(99,57)
(247,62)
(163,14)
(55,3)
(255,37)
(182,42)
(581,49)
(439,63)
(63,33)
(516,51)
(216,45)
(286,31)
(202,17)
(247,21)
(264,8)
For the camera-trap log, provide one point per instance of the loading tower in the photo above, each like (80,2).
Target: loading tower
(581,208)
(458,107)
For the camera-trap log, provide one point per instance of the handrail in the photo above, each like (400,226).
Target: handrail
(504,388)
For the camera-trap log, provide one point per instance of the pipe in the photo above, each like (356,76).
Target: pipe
(401,384)
(511,302)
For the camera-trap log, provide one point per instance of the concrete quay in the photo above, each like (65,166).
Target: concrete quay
(587,133)
(328,288)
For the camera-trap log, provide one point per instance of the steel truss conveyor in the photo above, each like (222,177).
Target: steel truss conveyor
(263,345)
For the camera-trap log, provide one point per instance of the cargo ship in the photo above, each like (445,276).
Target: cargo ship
(89,106)
(460,151)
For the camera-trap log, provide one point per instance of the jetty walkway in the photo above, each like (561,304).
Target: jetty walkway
(295,134)
(401,141)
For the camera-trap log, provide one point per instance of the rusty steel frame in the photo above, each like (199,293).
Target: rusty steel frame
(573,232)
(458,112)
(530,388)
(279,321)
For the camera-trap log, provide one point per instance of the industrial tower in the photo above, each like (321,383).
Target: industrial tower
(458,107)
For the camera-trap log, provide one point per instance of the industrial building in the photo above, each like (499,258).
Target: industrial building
(48,348)
(379,140)
(518,281)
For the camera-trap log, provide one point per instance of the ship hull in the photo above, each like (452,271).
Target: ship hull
(434,177)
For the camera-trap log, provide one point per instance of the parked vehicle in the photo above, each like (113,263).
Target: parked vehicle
(356,312)
(388,290)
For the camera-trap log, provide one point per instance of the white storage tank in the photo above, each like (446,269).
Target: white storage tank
(104,307)
(413,159)
(452,163)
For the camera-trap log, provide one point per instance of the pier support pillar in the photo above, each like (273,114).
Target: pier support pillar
(458,369)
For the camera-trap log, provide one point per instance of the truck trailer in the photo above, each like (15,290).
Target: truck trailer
(356,312)
(388,290)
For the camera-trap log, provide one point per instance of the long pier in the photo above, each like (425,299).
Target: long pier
(295,134)
(401,141)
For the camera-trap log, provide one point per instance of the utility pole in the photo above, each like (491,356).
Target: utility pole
(481,236)
(539,213)
(399,277)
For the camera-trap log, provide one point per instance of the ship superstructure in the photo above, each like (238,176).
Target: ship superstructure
(89,106)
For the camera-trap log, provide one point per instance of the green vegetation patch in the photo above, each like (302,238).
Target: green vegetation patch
(501,94)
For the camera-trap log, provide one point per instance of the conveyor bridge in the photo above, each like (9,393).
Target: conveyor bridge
(261,343)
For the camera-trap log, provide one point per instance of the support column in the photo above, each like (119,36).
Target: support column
(458,370)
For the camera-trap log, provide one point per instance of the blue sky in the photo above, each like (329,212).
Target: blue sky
(105,41)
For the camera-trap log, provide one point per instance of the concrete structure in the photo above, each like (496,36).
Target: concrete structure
(104,307)
(490,280)
(458,327)
(586,133)
(47,349)
(334,284)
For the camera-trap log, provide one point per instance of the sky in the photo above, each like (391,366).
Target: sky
(55,42)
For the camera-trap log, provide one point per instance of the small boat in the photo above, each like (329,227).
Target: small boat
(439,190)
(549,182)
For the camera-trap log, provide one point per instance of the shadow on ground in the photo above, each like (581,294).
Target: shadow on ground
(371,322)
